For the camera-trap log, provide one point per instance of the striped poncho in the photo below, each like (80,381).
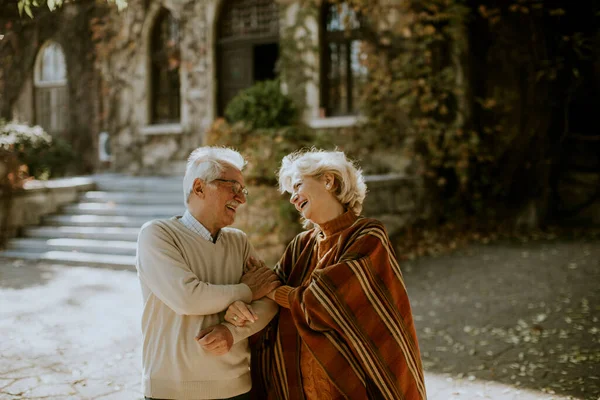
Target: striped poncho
(352,313)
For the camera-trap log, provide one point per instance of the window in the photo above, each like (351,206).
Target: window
(51,96)
(343,71)
(245,19)
(165,60)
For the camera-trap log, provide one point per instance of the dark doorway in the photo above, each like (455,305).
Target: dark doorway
(265,58)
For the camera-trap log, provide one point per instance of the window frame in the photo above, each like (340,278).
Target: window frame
(51,97)
(344,37)
(158,65)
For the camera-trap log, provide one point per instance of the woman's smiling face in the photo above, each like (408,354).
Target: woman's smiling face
(312,198)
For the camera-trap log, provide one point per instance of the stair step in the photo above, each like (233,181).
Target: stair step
(151,211)
(139,184)
(96,220)
(172,199)
(123,248)
(82,232)
(102,228)
(73,258)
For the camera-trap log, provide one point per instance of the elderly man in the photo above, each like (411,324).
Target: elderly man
(191,268)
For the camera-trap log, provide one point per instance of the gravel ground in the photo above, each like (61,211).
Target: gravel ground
(523,314)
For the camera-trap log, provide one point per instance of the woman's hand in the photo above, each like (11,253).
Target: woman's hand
(260,279)
(252,265)
(240,313)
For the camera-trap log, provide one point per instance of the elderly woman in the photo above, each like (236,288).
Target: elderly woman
(345,328)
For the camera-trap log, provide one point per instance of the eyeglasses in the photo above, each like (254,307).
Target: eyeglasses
(236,187)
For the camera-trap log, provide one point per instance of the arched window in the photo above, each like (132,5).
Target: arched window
(342,67)
(51,96)
(165,103)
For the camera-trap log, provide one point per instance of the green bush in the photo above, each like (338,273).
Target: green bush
(43,155)
(262,106)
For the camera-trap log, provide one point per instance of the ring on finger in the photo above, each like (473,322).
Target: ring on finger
(235,318)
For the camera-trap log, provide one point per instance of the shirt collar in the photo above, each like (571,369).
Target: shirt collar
(195,226)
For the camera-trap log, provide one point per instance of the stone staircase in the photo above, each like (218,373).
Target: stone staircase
(101,229)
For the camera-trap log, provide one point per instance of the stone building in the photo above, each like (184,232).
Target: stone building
(155,76)
(160,72)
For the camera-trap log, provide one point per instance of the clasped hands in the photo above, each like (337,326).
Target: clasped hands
(262,281)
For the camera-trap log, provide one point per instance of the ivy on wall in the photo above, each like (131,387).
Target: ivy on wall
(23,37)
(480,93)
(297,48)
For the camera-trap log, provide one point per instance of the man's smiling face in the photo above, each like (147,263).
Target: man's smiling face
(222,201)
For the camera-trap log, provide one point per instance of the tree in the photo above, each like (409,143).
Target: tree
(27,6)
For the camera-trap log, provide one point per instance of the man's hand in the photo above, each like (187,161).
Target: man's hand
(260,279)
(216,340)
(239,313)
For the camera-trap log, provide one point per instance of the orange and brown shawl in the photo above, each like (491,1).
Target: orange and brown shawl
(353,315)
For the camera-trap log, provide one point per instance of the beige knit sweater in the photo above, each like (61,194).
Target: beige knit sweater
(187,284)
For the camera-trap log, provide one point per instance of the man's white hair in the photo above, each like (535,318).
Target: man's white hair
(208,163)
(349,181)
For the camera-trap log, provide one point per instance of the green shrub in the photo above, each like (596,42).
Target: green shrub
(262,106)
(43,155)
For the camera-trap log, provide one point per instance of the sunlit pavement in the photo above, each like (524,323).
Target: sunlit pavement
(442,388)
(73,333)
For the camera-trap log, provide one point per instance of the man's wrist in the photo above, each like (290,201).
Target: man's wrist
(231,329)
(248,295)
(229,335)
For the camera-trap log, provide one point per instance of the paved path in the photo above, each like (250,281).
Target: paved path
(73,332)
(69,333)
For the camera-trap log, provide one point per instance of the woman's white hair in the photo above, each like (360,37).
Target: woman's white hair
(349,181)
(208,163)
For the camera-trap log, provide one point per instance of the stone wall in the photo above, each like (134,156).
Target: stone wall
(40,198)
(396,200)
